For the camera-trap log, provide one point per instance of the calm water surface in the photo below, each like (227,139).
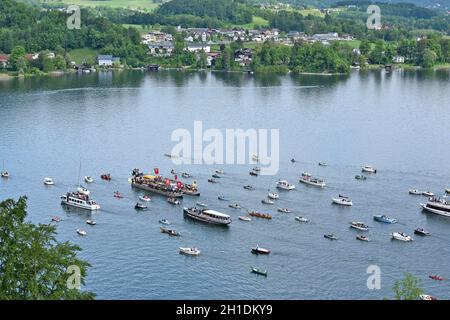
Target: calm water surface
(114,122)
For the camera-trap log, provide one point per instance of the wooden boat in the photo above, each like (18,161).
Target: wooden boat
(106,176)
(170,232)
(207,216)
(190,251)
(91,222)
(330,236)
(260,215)
(174,201)
(244,218)
(259,250)
(259,271)
(421,232)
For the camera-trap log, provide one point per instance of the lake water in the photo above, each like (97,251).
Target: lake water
(114,122)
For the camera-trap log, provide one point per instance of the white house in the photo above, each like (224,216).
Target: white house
(195,47)
(106,60)
(398,59)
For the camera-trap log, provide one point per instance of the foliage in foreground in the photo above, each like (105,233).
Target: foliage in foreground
(408,288)
(33,263)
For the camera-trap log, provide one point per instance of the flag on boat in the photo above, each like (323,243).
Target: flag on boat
(167,182)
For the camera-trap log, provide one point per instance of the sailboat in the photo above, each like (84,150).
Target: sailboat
(80,188)
(4,173)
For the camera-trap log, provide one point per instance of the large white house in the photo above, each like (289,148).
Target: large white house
(106,60)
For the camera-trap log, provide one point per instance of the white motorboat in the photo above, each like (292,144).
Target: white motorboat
(190,251)
(323,164)
(301,219)
(312,181)
(245,218)
(273,195)
(81,232)
(342,200)
(427,297)
(76,199)
(83,190)
(234,206)
(267,201)
(414,192)
(447,190)
(220,171)
(164,221)
(174,201)
(359,226)
(306,174)
(253,172)
(88,179)
(283,184)
(145,198)
(362,238)
(185,175)
(368,168)
(437,206)
(428,194)
(91,222)
(259,250)
(401,236)
(213,180)
(284,210)
(48,181)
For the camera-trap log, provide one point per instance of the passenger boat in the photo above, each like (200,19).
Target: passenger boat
(421,232)
(91,222)
(267,201)
(362,238)
(48,181)
(174,201)
(76,199)
(140,206)
(234,206)
(284,185)
(118,195)
(219,171)
(260,215)
(284,210)
(301,219)
(259,250)
(384,219)
(207,215)
(359,226)
(259,271)
(401,236)
(428,194)
(56,219)
(106,176)
(83,190)
(427,297)
(360,177)
(436,277)
(185,175)
(190,251)
(81,232)
(273,195)
(201,204)
(437,206)
(414,192)
(342,200)
(88,179)
(213,180)
(164,221)
(323,164)
(330,236)
(145,198)
(155,184)
(248,187)
(368,168)
(312,181)
(170,232)
(253,173)
(245,218)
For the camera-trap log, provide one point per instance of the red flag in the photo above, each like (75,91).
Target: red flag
(156,170)
(167,182)
(179,185)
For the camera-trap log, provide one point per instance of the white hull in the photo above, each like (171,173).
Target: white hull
(311,183)
(435,211)
(189,251)
(342,203)
(399,237)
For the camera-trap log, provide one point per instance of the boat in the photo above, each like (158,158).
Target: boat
(323,164)
(173,171)
(221,197)
(257,169)
(253,173)
(414,192)
(4,173)
(201,204)
(359,226)
(301,219)
(368,168)
(106,176)
(312,181)
(48,181)
(213,180)
(245,218)
(447,190)
(219,171)
(437,206)
(118,195)
(421,232)
(248,187)
(170,232)
(173,201)
(284,185)
(284,210)
(330,236)
(91,222)
(436,277)
(164,221)
(342,200)
(384,219)
(207,215)
(293,160)
(88,179)
(428,194)
(190,251)
(56,219)
(259,271)
(234,206)
(215,175)
(156,184)
(83,190)
(362,238)
(260,215)
(259,250)
(140,206)
(401,236)
(76,199)
(360,177)
(145,198)
(427,297)
(273,195)
(185,175)
(306,174)
(267,201)
(81,232)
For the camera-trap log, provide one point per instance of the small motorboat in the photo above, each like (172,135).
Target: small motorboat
(83,190)
(257,169)
(140,206)
(245,218)
(190,251)
(106,176)
(212,180)
(421,232)
(330,236)
(359,226)
(221,197)
(401,236)
(342,200)
(215,175)
(312,181)
(414,192)
(145,198)
(293,160)
(164,221)
(273,195)
(170,232)
(253,173)
(436,277)
(259,271)
(118,195)
(384,219)
(173,171)
(56,219)
(219,171)
(284,210)
(428,194)
(201,204)
(368,168)
(91,222)
(248,187)
(427,297)
(81,232)
(283,184)
(4,174)
(88,179)
(323,164)
(234,206)
(185,175)
(301,219)
(360,177)
(259,250)
(173,201)
(260,215)
(48,181)
(362,238)
(267,201)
